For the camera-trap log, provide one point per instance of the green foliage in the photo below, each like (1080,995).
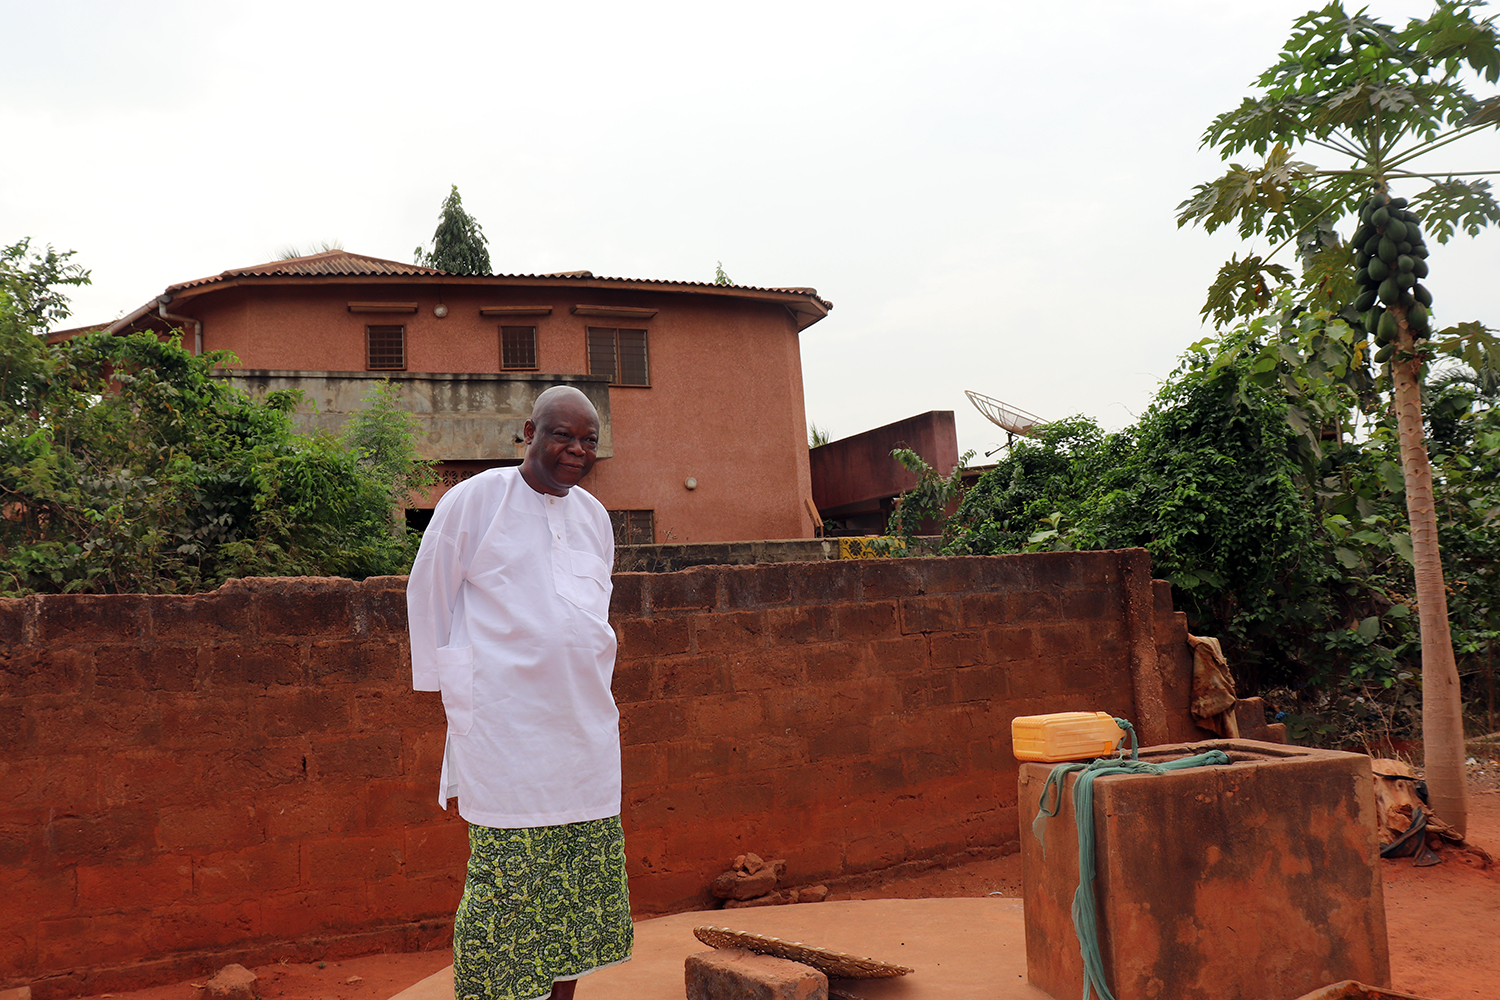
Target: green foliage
(383,436)
(817,436)
(1020,504)
(458,243)
(720,278)
(31,299)
(929,499)
(1207,481)
(141,472)
(30,279)
(126,466)
(1282,533)
(1375,98)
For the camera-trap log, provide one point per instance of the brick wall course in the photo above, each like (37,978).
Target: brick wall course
(865,620)
(728,631)
(629,595)
(694,589)
(890,578)
(304,606)
(641,638)
(824,582)
(222,614)
(86,616)
(249,768)
(756,586)
(693,676)
(798,626)
(15,615)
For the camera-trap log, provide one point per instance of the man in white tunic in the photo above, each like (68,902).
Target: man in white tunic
(508,605)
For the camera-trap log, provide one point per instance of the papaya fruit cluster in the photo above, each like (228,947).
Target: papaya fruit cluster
(1391,260)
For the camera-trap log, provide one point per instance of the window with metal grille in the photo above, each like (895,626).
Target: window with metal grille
(620,354)
(385,348)
(633,527)
(518,347)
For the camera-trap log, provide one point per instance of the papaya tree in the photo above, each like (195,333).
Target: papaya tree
(1369,101)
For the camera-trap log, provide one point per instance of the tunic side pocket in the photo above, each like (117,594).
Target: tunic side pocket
(590,586)
(456,680)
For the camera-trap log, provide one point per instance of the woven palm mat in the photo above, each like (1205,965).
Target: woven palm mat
(834,964)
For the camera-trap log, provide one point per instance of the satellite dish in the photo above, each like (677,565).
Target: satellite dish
(1010,419)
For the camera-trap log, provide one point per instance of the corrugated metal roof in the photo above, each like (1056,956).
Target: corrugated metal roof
(333,263)
(329,262)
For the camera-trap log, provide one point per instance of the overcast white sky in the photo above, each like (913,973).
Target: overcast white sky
(984,190)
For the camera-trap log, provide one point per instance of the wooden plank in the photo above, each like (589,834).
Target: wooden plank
(382,307)
(515,310)
(624,312)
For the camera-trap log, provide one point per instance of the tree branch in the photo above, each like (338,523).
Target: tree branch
(1422,150)
(1456,173)
(1293,237)
(1342,144)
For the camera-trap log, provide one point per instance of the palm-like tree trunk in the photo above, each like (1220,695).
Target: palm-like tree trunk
(1442,706)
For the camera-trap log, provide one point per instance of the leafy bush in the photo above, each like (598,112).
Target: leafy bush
(126,466)
(1282,534)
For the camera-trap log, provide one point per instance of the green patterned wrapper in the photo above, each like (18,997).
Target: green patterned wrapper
(540,904)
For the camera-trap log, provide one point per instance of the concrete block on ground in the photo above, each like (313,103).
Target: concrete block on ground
(735,974)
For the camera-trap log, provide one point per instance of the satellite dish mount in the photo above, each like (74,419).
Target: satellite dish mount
(1011,419)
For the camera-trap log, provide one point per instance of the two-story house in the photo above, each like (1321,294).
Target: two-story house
(698,386)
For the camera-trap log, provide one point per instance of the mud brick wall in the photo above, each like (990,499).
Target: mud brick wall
(849,716)
(246,775)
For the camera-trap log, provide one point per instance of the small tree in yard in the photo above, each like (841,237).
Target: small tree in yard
(458,244)
(31,299)
(1376,98)
(126,466)
(384,436)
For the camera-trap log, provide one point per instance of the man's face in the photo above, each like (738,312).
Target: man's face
(560,446)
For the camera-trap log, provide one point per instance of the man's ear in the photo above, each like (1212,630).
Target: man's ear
(528,431)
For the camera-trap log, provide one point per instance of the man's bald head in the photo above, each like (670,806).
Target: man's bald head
(550,399)
(561,438)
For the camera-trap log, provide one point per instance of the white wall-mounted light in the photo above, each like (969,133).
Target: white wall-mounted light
(440,310)
(690,483)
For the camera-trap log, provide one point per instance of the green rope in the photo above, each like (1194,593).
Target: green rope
(1085,907)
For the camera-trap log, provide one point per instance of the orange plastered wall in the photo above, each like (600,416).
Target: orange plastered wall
(724,406)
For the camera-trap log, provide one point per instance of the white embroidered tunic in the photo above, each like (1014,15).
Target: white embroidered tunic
(508,607)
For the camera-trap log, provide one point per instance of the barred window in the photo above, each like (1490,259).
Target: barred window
(633,527)
(619,354)
(385,348)
(518,348)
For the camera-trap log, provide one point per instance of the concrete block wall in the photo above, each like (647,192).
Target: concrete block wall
(247,773)
(848,716)
(181,775)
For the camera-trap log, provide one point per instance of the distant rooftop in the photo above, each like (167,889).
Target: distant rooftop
(342,263)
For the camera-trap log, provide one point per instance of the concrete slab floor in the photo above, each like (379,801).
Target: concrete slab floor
(958,947)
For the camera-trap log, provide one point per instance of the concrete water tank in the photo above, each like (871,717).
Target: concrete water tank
(1252,880)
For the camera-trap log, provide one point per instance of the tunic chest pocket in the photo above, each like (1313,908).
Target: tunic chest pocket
(456,680)
(588,585)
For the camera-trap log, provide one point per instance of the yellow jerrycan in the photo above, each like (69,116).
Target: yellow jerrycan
(1065,736)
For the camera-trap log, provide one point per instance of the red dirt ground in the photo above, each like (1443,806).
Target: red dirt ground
(1443,924)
